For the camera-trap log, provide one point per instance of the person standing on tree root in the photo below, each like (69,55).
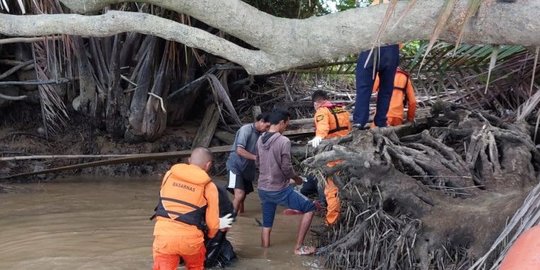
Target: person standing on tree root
(188,206)
(384,62)
(275,173)
(331,121)
(241,161)
(402,95)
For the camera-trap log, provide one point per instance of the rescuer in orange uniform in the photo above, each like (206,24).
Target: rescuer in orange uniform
(331,121)
(524,253)
(188,206)
(403,94)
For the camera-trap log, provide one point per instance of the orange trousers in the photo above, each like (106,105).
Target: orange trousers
(333,205)
(390,121)
(167,251)
(525,252)
(394,121)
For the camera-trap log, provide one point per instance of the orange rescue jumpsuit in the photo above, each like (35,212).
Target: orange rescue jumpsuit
(525,252)
(332,121)
(185,188)
(403,93)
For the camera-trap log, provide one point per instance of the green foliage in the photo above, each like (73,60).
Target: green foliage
(344,4)
(411,48)
(302,8)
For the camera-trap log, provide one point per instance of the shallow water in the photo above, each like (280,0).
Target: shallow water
(102,223)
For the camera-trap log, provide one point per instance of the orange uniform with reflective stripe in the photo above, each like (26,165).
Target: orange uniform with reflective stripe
(184,186)
(403,93)
(525,252)
(332,121)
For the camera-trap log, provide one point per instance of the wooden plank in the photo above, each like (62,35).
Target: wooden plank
(302,121)
(256,110)
(305,121)
(224,136)
(126,159)
(299,131)
(207,128)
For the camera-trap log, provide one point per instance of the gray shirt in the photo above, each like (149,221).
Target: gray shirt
(246,137)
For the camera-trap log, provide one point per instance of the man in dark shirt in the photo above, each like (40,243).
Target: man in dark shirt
(241,161)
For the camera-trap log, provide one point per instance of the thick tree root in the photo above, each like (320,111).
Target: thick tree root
(432,200)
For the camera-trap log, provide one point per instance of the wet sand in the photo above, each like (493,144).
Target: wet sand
(95,223)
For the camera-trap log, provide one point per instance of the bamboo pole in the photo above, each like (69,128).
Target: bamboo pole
(17,158)
(35,82)
(125,159)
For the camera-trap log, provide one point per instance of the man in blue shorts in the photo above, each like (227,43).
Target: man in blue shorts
(275,172)
(241,162)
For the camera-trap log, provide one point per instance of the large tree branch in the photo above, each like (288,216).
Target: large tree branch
(355,28)
(114,22)
(286,43)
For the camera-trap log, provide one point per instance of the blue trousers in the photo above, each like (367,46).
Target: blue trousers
(286,197)
(384,61)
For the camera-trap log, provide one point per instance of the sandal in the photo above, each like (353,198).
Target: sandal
(305,250)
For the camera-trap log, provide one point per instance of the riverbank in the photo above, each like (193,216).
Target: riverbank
(22,134)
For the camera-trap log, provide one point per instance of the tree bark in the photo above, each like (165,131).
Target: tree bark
(286,43)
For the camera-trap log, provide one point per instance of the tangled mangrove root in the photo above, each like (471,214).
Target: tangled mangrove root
(434,199)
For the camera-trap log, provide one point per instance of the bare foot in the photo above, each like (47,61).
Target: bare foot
(305,250)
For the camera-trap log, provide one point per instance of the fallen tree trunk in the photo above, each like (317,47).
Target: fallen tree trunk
(456,182)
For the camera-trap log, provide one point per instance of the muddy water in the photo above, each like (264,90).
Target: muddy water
(103,224)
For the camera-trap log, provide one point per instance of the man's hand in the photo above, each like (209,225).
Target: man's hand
(298,180)
(225,221)
(315,141)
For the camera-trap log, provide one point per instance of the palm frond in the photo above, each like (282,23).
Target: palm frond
(410,5)
(537,52)
(492,62)
(537,125)
(220,94)
(6,5)
(53,109)
(460,74)
(441,22)
(389,11)
(473,7)
(528,107)
(49,59)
